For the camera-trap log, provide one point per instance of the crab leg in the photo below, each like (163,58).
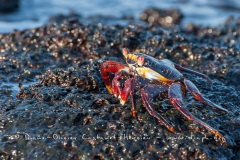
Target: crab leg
(180,68)
(198,96)
(175,95)
(111,67)
(132,84)
(151,110)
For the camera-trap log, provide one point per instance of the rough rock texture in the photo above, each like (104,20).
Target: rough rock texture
(68,113)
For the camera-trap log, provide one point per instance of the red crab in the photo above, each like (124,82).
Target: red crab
(162,75)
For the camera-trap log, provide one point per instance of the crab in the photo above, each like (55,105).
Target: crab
(159,76)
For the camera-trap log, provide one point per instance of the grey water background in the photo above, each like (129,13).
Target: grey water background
(34,13)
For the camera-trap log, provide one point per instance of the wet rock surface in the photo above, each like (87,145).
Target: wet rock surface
(68,112)
(165,18)
(8,5)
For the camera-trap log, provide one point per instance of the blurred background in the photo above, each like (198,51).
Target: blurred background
(24,14)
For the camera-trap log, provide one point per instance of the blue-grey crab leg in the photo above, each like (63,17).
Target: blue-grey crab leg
(150,109)
(198,96)
(180,68)
(175,95)
(153,90)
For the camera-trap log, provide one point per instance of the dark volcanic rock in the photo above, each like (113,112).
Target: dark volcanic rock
(165,18)
(68,112)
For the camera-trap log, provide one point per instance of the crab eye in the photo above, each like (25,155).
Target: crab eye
(140,61)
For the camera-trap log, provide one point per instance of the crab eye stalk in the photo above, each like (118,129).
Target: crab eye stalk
(140,61)
(125,52)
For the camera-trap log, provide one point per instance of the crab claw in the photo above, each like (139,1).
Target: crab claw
(198,96)
(111,67)
(116,84)
(118,91)
(125,92)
